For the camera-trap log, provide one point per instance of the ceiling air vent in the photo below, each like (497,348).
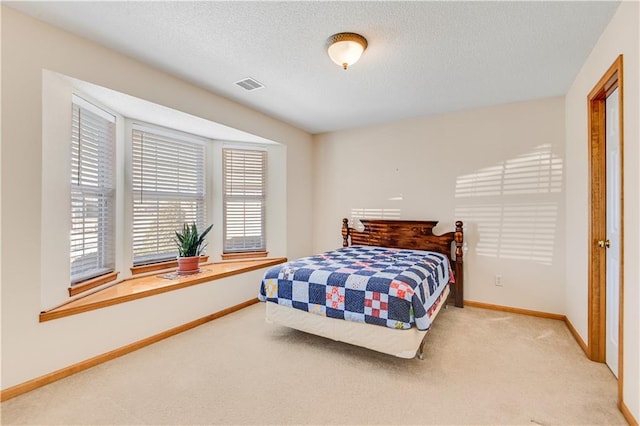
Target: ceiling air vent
(249,84)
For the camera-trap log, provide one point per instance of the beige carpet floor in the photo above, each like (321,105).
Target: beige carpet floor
(481,367)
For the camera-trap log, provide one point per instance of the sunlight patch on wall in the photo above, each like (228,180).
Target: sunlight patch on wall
(488,219)
(522,231)
(513,207)
(535,172)
(366,213)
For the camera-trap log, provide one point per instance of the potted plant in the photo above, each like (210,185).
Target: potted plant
(190,245)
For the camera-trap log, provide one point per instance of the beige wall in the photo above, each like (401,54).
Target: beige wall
(620,37)
(31,349)
(498,169)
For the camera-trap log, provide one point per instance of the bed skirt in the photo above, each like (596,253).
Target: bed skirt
(399,343)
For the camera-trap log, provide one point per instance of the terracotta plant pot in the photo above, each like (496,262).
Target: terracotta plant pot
(188,265)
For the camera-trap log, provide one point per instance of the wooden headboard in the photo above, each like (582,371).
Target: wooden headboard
(413,235)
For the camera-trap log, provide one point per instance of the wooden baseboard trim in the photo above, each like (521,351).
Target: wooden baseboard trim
(576,335)
(30,385)
(514,310)
(627,414)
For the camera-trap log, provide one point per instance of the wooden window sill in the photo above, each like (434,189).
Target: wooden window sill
(142,269)
(139,287)
(92,283)
(245,255)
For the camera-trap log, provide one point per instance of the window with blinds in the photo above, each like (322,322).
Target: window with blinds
(168,190)
(92,233)
(244,178)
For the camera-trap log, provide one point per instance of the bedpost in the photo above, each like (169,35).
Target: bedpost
(459,274)
(345,232)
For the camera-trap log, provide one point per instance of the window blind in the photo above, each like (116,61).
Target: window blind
(168,190)
(244,177)
(92,236)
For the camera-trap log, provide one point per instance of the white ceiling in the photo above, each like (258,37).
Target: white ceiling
(423,57)
(147,112)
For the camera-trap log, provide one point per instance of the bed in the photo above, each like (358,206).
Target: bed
(381,290)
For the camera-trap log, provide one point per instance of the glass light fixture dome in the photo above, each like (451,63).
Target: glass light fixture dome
(346,48)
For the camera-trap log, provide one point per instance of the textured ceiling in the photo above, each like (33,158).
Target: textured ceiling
(423,57)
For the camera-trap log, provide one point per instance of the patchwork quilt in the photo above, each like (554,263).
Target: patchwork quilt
(389,287)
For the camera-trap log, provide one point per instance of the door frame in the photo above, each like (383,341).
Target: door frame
(596,348)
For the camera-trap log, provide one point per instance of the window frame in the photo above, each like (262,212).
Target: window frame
(104,190)
(183,137)
(227,252)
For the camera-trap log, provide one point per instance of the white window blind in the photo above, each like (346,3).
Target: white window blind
(244,178)
(92,235)
(168,190)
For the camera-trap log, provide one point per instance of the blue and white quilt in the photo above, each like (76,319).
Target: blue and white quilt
(390,287)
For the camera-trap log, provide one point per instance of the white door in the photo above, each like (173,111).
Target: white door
(613,230)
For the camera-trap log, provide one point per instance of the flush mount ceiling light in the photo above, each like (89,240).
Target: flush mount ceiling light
(345,48)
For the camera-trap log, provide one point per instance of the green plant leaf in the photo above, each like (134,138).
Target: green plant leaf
(189,241)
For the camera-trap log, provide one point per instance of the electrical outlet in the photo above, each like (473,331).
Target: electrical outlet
(498,280)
